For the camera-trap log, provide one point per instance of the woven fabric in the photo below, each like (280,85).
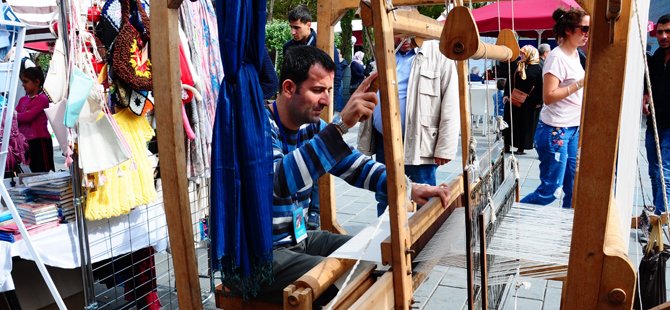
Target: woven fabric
(241,195)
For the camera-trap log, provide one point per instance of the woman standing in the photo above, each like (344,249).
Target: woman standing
(33,121)
(357,71)
(557,134)
(523,116)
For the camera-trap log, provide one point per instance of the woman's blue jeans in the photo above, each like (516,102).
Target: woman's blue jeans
(654,173)
(557,149)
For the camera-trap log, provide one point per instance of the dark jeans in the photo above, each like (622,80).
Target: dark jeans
(557,149)
(654,172)
(416,173)
(291,263)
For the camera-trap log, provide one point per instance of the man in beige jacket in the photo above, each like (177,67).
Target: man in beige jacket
(428,99)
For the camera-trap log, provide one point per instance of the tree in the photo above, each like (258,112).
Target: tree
(346,45)
(277,32)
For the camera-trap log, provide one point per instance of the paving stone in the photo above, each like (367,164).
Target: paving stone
(554,284)
(353,228)
(552,299)
(428,287)
(447,298)
(536,289)
(522,304)
(455,277)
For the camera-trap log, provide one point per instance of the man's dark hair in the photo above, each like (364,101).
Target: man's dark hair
(300,13)
(299,59)
(664,19)
(34,74)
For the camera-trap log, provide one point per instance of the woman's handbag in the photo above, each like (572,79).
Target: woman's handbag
(131,62)
(518,97)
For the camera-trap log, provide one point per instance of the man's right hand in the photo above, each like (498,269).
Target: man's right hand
(361,104)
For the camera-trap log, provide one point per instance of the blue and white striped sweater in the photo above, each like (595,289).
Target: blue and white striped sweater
(313,150)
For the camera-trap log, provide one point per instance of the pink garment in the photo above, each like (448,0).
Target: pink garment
(31,117)
(18,146)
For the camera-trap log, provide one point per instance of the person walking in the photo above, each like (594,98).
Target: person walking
(521,115)
(659,74)
(557,134)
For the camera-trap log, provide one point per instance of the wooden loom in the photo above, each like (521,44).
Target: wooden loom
(599,274)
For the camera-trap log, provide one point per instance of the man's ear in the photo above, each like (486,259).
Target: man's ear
(288,88)
(309,25)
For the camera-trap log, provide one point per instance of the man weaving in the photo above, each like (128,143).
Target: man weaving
(305,148)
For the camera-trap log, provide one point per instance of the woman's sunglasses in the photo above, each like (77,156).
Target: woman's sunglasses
(585,29)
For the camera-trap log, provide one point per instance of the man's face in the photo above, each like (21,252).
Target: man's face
(406,45)
(307,103)
(299,30)
(663,35)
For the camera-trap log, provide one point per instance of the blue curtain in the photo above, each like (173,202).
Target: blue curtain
(241,189)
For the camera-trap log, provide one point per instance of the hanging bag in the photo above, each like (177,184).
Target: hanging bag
(55,83)
(101,144)
(131,62)
(518,97)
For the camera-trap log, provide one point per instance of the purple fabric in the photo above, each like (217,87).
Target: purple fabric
(31,117)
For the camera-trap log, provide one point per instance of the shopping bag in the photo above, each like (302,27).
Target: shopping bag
(651,291)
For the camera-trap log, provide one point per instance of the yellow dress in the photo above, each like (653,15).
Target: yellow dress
(119,189)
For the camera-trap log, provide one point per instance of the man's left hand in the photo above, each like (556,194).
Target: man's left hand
(441,161)
(422,193)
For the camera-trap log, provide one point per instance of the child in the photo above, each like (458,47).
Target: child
(499,108)
(33,121)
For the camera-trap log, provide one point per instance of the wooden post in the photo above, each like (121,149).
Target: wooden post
(599,274)
(393,152)
(167,96)
(464,99)
(325,40)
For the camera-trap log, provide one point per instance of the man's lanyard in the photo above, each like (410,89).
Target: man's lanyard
(280,126)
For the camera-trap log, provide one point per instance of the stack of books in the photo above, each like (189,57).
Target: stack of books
(53,188)
(20,194)
(38,213)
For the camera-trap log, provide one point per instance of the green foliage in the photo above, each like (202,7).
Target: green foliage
(277,32)
(43,60)
(346,45)
(432,11)
(282,7)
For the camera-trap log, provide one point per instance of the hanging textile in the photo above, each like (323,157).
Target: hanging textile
(203,50)
(241,197)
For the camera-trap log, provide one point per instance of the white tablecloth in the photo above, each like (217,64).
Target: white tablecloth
(59,247)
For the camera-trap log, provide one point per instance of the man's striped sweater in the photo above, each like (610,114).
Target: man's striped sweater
(312,151)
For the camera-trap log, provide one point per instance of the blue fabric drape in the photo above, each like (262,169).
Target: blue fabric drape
(242,174)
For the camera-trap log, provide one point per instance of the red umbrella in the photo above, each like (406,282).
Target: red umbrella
(529,16)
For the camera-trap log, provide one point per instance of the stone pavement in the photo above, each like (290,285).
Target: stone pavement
(446,286)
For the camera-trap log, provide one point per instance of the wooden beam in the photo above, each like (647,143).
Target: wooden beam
(422,221)
(464,100)
(379,296)
(325,40)
(393,152)
(353,4)
(408,22)
(170,133)
(599,273)
(358,285)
